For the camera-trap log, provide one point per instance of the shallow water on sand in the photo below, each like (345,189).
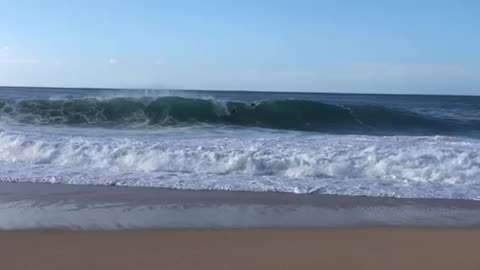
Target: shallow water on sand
(71,207)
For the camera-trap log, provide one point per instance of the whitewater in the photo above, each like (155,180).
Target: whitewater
(359,145)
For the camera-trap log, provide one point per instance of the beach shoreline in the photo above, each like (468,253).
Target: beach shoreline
(29,206)
(57,226)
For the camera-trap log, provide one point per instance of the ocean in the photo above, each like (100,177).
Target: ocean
(402,146)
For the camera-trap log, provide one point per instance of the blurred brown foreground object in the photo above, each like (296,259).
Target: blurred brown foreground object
(357,248)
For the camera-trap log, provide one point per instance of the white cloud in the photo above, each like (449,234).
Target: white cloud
(112,61)
(414,72)
(10,60)
(339,77)
(6,57)
(4,52)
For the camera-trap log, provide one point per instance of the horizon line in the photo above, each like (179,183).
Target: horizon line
(232,90)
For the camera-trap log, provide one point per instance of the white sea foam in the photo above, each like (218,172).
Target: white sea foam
(400,166)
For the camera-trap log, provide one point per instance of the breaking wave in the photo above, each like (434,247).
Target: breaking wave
(275,114)
(396,166)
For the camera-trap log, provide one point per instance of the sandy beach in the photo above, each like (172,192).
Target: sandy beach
(361,248)
(52,227)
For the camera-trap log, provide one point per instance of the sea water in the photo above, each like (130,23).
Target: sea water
(344,144)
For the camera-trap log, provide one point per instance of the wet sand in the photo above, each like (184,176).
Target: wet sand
(92,227)
(25,206)
(359,248)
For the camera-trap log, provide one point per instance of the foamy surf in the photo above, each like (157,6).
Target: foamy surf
(280,142)
(396,166)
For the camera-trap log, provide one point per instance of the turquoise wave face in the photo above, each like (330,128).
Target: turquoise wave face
(291,114)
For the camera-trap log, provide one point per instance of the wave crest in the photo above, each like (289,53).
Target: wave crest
(277,114)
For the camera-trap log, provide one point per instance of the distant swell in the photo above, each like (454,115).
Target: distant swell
(276,114)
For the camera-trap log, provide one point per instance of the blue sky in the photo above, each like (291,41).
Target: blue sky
(404,46)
